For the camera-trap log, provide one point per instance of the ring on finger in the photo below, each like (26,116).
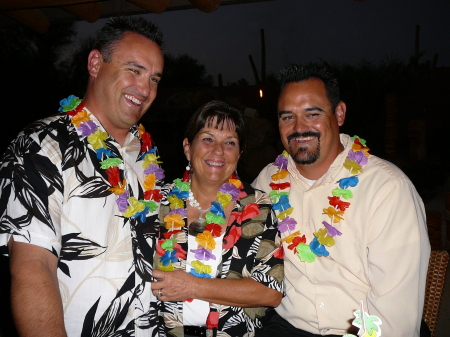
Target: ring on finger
(159,293)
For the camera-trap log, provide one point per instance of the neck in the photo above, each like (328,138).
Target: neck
(204,193)
(119,135)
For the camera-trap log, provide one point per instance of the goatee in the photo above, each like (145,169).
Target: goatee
(301,155)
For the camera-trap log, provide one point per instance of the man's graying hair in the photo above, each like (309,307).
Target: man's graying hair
(113,30)
(300,73)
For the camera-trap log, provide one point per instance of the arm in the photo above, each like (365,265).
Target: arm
(398,255)
(35,297)
(245,292)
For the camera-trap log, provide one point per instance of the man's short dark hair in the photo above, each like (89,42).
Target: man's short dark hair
(300,73)
(113,30)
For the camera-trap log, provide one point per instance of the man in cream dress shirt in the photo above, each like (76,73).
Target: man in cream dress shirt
(380,256)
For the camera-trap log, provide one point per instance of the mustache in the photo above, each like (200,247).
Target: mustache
(308,133)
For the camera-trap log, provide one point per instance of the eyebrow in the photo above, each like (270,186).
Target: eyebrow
(313,108)
(140,66)
(284,112)
(212,135)
(135,64)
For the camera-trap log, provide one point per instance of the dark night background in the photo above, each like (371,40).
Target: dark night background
(392,59)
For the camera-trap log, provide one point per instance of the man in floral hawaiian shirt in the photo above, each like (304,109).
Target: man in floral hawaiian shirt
(80,191)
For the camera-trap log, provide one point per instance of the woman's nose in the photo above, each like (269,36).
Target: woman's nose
(218,149)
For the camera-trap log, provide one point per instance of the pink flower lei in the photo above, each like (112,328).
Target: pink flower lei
(130,207)
(325,236)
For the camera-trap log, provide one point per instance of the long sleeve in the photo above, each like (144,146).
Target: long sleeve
(398,255)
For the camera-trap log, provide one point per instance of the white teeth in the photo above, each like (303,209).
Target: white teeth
(133,99)
(303,139)
(213,163)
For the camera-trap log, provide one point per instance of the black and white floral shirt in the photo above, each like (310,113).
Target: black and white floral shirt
(251,248)
(54,194)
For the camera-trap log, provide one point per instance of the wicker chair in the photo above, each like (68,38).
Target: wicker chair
(435,287)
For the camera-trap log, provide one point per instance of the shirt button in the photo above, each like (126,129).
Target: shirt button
(307,224)
(324,331)
(322,305)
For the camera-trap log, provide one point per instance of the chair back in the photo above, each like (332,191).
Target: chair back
(435,287)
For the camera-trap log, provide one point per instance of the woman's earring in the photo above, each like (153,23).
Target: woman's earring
(235,175)
(188,172)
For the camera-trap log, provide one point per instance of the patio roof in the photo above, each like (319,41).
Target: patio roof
(38,14)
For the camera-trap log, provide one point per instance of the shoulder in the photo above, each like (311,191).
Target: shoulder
(255,195)
(383,172)
(45,125)
(263,179)
(57,126)
(382,182)
(43,137)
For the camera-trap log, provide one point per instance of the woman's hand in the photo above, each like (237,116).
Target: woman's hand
(173,285)
(245,292)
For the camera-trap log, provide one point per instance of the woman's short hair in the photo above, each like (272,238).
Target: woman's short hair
(224,115)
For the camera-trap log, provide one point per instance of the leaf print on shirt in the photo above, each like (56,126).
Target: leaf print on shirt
(13,226)
(27,181)
(266,248)
(91,187)
(74,154)
(109,321)
(77,248)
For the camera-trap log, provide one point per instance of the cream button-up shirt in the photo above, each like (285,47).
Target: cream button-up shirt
(381,258)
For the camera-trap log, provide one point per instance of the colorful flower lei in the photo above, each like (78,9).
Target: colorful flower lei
(168,248)
(130,207)
(324,237)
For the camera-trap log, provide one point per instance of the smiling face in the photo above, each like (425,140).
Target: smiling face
(121,91)
(213,154)
(309,128)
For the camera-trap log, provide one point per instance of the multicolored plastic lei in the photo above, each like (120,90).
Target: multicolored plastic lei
(168,248)
(324,237)
(130,207)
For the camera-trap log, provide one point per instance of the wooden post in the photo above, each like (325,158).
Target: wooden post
(255,72)
(263,57)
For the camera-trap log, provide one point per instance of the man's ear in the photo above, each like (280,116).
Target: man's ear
(95,58)
(186,148)
(341,108)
